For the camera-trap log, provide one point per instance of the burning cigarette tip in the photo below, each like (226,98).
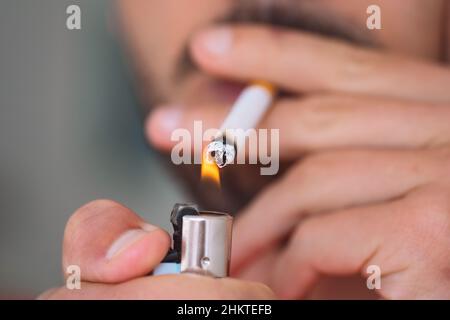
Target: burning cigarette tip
(245,114)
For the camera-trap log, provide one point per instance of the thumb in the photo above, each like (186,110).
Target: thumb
(111,244)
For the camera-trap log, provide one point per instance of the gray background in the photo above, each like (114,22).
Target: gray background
(70,132)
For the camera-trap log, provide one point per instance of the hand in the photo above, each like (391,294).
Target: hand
(370,132)
(115,250)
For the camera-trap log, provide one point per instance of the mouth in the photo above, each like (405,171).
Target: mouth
(225,90)
(199,88)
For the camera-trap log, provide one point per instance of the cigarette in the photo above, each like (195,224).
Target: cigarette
(247,111)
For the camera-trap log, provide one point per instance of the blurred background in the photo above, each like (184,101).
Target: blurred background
(70,132)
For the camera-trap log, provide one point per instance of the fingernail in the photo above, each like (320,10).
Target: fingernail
(166,119)
(218,41)
(148,227)
(127,239)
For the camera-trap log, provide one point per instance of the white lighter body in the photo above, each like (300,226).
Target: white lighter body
(204,245)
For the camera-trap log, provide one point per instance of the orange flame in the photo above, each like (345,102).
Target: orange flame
(210,170)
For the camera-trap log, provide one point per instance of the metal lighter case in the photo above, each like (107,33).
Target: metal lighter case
(201,242)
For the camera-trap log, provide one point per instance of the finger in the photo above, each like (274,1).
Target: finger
(164,120)
(330,181)
(337,121)
(261,268)
(334,244)
(110,243)
(323,122)
(396,237)
(168,287)
(308,63)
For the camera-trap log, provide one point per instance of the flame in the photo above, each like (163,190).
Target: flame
(210,170)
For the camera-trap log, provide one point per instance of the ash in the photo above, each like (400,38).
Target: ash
(221,153)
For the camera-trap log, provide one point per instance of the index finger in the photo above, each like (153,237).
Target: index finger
(302,62)
(183,286)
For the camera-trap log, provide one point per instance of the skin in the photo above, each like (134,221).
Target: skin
(98,227)
(364,129)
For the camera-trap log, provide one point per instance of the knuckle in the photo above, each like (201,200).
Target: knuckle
(358,64)
(319,118)
(429,218)
(318,113)
(441,161)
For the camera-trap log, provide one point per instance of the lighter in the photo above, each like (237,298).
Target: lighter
(201,243)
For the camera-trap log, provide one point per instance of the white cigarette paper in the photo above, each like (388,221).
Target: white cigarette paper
(245,114)
(249,108)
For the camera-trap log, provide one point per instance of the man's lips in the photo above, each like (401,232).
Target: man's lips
(225,91)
